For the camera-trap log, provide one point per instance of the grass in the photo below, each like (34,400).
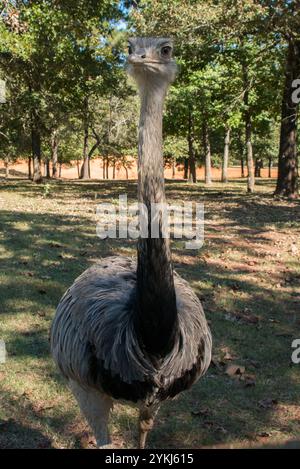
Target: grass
(247,275)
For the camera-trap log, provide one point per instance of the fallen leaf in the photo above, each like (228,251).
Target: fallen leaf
(222,430)
(264,434)
(267,403)
(245,318)
(294,249)
(249,380)
(215,362)
(208,423)
(87,440)
(233,370)
(55,245)
(250,319)
(204,412)
(227,355)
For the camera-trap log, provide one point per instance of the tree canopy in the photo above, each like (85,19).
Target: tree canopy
(63,63)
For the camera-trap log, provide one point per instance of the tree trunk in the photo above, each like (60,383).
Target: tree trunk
(59,173)
(35,142)
(47,168)
(84,172)
(173,169)
(191,161)
(207,152)
(29,168)
(250,165)
(258,167)
(6,164)
(186,169)
(242,167)
(106,168)
(126,171)
(103,168)
(287,181)
(270,167)
(226,156)
(54,152)
(91,152)
(114,170)
(241,149)
(78,168)
(36,154)
(248,132)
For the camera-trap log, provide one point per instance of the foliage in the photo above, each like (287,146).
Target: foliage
(63,62)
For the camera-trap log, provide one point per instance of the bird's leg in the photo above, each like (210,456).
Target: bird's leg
(146,422)
(144,427)
(95,407)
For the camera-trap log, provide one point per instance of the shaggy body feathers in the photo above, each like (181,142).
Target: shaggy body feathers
(95,342)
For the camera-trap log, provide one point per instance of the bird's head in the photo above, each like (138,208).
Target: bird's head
(150,58)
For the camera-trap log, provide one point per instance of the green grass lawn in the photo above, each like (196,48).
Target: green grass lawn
(247,276)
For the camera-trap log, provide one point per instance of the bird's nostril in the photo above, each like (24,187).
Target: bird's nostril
(143,56)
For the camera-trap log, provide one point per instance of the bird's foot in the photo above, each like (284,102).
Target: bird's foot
(87,440)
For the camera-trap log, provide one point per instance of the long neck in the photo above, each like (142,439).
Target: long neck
(156,301)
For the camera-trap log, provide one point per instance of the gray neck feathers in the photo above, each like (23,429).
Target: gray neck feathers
(156,301)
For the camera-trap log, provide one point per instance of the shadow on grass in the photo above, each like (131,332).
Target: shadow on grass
(13,172)
(13,435)
(33,424)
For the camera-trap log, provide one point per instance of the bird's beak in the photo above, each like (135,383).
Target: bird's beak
(134,59)
(137,60)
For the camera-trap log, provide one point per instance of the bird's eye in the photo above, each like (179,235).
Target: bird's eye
(129,50)
(166,51)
